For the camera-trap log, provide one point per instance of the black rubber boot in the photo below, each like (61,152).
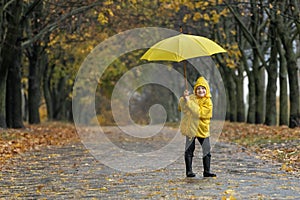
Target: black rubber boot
(188,166)
(206,166)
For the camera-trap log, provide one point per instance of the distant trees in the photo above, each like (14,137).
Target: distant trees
(25,30)
(10,63)
(271,29)
(287,22)
(42,44)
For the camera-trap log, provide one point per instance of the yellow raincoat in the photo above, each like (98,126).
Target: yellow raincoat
(197,112)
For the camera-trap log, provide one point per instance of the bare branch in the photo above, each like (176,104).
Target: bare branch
(50,27)
(247,34)
(6,5)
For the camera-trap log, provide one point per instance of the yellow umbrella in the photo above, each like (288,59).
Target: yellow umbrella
(182,47)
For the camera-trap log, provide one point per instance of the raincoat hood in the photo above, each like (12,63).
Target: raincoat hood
(201,81)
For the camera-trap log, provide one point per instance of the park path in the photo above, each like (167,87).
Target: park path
(71,172)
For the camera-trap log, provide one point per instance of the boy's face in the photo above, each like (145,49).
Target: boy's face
(201,91)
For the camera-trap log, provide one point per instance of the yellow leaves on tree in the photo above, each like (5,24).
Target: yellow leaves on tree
(206,17)
(189,4)
(186,18)
(108,3)
(230,63)
(201,5)
(234,55)
(224,12)
(173,5)
(103,16)
(197,16)
(102,19)
(210,15)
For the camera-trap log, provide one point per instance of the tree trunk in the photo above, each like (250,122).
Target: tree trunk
(259,91)
(47,92)
(240,95)
(59,94)
(3,69)
(226,85)
(232,95)
(294,90)
(291,59)
(251,98)
(34,94)
(252,34)
(256,29)
(13,96)
(173,114)
(271,106)
(283,82)
(3,77)
(36,64)
(251,89)
(9,36)
(257,39)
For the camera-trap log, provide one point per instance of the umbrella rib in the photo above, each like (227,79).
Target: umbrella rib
(178,44)
(202,46)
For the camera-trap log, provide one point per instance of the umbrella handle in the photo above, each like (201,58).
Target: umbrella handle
(184,67)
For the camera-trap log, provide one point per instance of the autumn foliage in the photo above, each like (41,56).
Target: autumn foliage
(34,137)
(272,143)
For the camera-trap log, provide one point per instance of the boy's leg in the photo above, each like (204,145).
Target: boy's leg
(205,143)
(188,156)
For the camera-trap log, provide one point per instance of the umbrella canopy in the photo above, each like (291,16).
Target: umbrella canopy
(182,47)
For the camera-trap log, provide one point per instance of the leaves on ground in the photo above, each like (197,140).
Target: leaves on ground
(278,143)
(34,137)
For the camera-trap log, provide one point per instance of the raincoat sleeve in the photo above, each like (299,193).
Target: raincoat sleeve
(186,106)
(181,104)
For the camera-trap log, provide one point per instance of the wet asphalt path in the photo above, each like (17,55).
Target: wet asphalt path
(71,172)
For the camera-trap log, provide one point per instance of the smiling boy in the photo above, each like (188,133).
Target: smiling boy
(197,111)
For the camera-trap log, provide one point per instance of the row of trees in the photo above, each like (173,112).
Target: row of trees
(28,29)
(268,39)
(44,42)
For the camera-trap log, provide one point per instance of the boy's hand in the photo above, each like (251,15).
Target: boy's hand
(186,95)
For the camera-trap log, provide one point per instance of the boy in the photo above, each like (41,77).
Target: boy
(197,111)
